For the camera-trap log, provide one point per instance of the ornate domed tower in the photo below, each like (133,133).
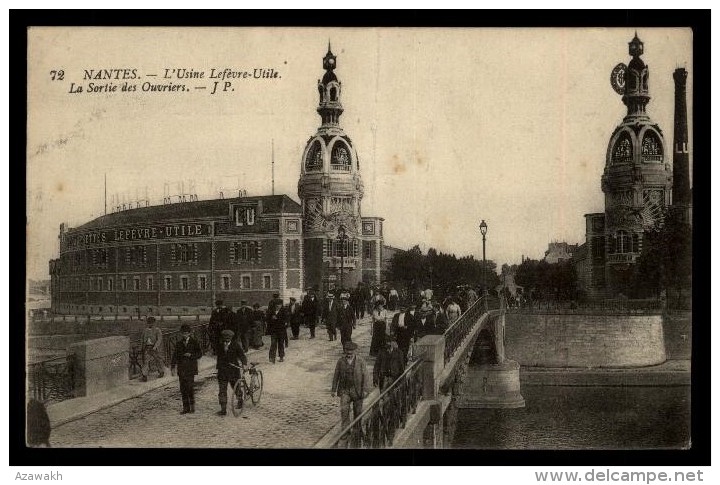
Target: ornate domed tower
(637,180)
(331,192)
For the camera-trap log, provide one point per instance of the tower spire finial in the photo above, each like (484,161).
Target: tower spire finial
(329,50)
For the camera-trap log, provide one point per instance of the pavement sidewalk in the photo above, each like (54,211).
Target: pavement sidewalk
(77,408)
(72,409)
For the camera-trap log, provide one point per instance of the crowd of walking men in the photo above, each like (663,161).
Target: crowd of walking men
(397,322)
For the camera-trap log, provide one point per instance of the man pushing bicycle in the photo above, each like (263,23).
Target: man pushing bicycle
(230,356)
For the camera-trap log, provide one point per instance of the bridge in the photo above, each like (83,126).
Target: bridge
(419,409)
(296,410)
(465,367)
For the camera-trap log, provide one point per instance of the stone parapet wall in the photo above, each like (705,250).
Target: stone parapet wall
(556,340)
(100,364)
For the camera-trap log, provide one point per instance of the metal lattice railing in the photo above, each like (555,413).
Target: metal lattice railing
(377,425)
(456,333)
(52,380)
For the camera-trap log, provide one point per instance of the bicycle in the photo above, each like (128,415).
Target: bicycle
(243,388)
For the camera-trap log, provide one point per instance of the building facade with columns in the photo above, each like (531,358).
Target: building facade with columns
(642,180)
(179,258)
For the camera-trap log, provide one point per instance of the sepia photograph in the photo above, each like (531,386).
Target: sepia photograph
(341,237)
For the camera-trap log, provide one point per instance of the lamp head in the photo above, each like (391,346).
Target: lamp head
(483,227)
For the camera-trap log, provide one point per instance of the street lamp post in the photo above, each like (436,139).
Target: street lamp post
(342,237)
(483,231)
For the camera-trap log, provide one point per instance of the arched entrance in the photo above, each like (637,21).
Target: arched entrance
(485,351)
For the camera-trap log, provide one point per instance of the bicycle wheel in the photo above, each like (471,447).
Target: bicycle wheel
(237,398)
(256,386)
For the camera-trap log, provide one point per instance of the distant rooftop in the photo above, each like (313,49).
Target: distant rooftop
(272,204)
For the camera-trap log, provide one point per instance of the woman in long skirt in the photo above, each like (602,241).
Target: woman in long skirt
(379,324)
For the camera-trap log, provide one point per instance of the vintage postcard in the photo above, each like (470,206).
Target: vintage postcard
(466,238)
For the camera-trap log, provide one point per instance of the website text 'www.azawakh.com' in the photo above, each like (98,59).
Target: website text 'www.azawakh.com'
(608,475)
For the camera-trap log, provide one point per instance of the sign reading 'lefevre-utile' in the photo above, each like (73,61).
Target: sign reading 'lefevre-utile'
(137,234)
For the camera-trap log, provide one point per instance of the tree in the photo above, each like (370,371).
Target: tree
(665,262)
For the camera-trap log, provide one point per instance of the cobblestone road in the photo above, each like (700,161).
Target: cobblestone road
(296,409)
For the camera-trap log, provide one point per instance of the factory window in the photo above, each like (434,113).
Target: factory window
(623,242)
(136,255)
(111,284)
(244,216)
(245,251)
(184,283)
(367,249)
(598,248)
(184,253)
(225,282)
(150,283)
(267,281)
(202,282)
(124,283)
(100,258)
(99,284)
(245,281)
(168,282)
(136,283)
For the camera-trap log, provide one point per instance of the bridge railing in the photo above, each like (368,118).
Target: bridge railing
(610,306)
(170,338)
(377,425)
(52,380)
(456,333)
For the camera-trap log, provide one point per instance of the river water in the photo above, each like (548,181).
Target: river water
(571,417)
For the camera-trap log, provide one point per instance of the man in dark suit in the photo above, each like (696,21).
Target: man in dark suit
(329,316)
(424,323)
(184,358)
(218,319)
(389,365)
(402,328)
(243,316)
(294,317)
(230,356)
(309,310)
(276,328)
(345,318)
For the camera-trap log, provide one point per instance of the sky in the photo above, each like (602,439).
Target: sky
(451,125)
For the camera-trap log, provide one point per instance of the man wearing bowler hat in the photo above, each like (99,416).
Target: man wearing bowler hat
(329,316)
(229,357)
(185,357)
(345,318)
(351,382)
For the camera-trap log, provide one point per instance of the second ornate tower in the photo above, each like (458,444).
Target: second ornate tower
(637,180)
(331,191)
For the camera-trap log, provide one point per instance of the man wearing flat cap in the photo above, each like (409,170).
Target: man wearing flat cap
(185,357)
(229,357)
(351,382)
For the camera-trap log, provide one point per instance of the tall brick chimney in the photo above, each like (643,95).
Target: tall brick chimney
(681,157)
